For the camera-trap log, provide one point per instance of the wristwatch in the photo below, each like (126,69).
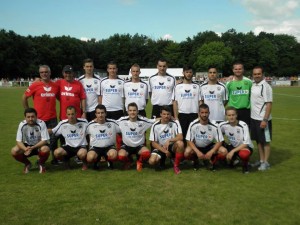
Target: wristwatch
(266,120)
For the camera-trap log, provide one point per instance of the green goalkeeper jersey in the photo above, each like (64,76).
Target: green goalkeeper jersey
(239,93)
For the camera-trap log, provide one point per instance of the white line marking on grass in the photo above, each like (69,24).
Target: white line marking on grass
(296,96)
(277,118)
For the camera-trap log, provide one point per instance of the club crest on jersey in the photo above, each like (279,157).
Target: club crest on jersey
(168,79)
(246,82)
(47,89)
(80,126)
(194,86)
(119,82)
(238,131)
(170,125)
(141,86)
(140,124)
(218,88)
(209,128)
(109,125)
(68,88)
(95,82)
(36,129)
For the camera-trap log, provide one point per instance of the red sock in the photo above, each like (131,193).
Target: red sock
(118,141)
(111,159)
(145,155)
(178,157)
(218,157)
(244,156)
(22,158)
(123,158)
(43,156)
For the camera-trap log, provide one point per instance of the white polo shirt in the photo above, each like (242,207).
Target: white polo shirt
(261,93)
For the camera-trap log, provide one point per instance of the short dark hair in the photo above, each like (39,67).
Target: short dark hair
(88,60)
(162,60)
(101,107)
(70,107)
(212,67)
(237,63)
(133,104)
(165,108)
(259,67)
(203,106)
(30,110)
(187,67)
(112,63)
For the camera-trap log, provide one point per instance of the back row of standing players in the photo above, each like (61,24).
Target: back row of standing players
(183,99)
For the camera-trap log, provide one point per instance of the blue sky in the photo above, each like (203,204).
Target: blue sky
(172,19)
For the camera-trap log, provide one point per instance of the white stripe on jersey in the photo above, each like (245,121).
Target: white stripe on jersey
(162,88)
(187,97)
(32,135)
(136,92)
(102,135)
(74,134)
(236,135)
(160,132)
(214,96)
(261,93)
(112,93)
(204,135)
(133,133)
(92,90)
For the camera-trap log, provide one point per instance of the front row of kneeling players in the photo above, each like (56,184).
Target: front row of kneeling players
(204,139)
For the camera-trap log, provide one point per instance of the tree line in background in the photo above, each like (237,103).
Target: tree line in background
(277,53)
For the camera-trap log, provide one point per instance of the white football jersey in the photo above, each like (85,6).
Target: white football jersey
(92,90)
(112,93)
(161,88)
(32,135)
(160,132)
(133,133)
(137,92)
(204,135)
(187,97)
(74,134)
(236,135)
(103,135)
(214,96)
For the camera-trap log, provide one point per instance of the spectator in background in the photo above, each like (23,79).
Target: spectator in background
(261,119)
(44,93)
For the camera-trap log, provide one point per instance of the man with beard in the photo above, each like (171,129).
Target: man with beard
(186,100)
(204,138)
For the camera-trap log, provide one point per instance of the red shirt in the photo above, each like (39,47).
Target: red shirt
(71,94)
(44,99)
